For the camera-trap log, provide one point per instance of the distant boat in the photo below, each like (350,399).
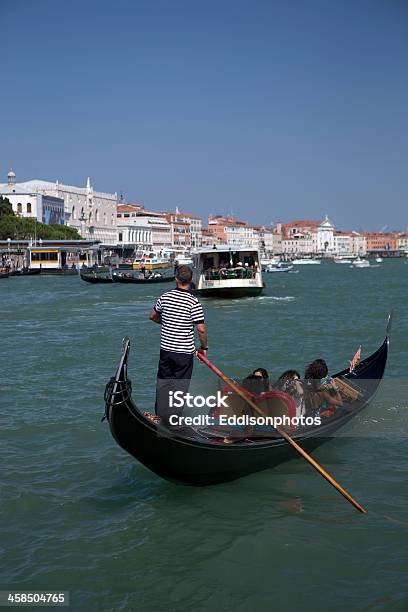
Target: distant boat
(151,262)
(271,261)
(225,272)
(306,260)
(343,260)
(128,277)
(273,268)
(93,276)
(379,259)
(360,263)
(4,274)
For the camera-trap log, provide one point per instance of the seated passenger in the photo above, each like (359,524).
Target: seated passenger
(322,395)
(289,382)
(257,382)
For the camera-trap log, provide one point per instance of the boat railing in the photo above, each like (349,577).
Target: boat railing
(230,273)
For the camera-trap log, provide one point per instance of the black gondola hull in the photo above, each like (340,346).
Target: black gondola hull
(96,279)
(191,458)
(141,281)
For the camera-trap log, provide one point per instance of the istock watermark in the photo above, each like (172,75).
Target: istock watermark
(178,399)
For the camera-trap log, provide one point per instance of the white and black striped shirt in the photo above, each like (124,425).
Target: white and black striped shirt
(180,311)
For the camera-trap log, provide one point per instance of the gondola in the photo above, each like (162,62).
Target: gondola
(94,277)
(191,458)
(26,272)
(123,278)
(4,274)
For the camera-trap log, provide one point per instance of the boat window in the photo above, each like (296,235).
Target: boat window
(45,256)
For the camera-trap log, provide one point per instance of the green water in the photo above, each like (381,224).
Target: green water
(80,515)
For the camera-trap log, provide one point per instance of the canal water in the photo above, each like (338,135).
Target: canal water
(80,515)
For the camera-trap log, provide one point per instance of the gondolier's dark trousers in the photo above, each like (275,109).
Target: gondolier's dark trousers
(174,374)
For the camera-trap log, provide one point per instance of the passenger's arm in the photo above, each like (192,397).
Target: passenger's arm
(332,400)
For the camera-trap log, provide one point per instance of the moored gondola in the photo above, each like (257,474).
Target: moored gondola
(189,457)
(96,277)
(128,277)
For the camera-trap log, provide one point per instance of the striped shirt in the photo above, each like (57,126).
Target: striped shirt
(180,311)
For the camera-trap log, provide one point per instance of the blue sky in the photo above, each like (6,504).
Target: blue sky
(271,110)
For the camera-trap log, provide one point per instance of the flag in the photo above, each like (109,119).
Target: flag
(355,359)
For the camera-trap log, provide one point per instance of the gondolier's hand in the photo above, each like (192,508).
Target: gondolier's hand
(202,351)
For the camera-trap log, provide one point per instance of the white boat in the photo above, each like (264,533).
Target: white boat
(361,263)
(379,259)
(183,260)
(226,272)
(280,267)
(306,260)
(343,260)
(180,257)
(151,262)
(272,261)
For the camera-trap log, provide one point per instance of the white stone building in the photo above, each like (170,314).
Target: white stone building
(302,245)
(28,203)
(133,230)
(359,243)
(92,213)
(343,243)
(325,237)
(145,230)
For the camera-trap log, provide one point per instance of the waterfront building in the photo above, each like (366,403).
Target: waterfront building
(233,232)
(270,240)
(136,218)
(298,237)
(28,203)
(134,231)
(299,245)
(208,238)
(190,232)
(92,213)
(402,242)
(325,237)
(359,243)
(180,232)
(378,241)
(343,243)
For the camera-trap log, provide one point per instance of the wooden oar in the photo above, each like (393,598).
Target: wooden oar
(281,432)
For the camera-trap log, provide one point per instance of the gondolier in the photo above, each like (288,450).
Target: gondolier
(178,312)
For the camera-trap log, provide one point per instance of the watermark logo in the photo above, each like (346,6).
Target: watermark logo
(178,399)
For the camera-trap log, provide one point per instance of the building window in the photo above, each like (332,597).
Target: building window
(29,207)
(105,220)
(120,237)
(19,208)
(96,215)
(73,212)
